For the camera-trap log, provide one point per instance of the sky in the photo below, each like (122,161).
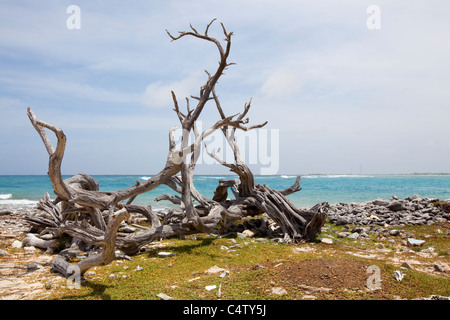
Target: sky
(345,88)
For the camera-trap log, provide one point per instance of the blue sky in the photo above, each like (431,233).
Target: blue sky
(343,97)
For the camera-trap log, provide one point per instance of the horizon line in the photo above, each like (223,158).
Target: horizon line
(228,174)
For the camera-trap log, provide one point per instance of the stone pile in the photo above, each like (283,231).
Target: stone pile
(413,210)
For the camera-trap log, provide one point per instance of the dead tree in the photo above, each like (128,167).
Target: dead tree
(92,217)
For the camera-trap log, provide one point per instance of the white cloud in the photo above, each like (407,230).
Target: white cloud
(283,82)
(158,94)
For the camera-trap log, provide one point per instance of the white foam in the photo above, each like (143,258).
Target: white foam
(5,196)
(145,178)
(287,177)
(333,176)
(18,203)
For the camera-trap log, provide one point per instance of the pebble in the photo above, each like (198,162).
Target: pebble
(441,267)
(16,244)
(29,249)
(354,235)
(407,265)
(411,242)
(216,269)
(209,288)
(343,234)
(164,296)
(279,291)
(246,234)
(166,254)
(326,240)
(32,266)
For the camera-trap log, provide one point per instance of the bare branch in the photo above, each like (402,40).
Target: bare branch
(294,188)
(209,24)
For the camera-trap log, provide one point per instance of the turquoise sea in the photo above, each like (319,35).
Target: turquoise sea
(25,191)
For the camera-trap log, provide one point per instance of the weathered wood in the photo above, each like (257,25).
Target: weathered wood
(33,240)
(92,217)
(294,188)
(106,241)
(146,212)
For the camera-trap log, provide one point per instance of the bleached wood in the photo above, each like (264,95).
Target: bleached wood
(92,217)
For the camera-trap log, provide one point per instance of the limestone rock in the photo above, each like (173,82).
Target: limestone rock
(164,296)
(395,206)
(16,244)
(354,235)
(216,269)
(326,240)
(279,291)
(411,242)
(441,267)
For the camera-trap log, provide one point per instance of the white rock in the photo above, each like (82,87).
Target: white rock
(326,240)
(246,234)
(129,229)
(398,275)
(216,269)
(164,296)
(166,254)
(209,288)
(411,242)
(16,244)
(138,268)
(279,291)
(354,235)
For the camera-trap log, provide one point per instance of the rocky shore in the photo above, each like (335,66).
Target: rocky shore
(413,210)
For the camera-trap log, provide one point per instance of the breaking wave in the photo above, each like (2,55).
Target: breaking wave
(17,203)
(287,177)
(333,176)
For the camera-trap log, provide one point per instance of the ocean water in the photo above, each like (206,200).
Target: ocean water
(25,191)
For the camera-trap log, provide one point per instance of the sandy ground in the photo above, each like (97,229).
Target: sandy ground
(24,272)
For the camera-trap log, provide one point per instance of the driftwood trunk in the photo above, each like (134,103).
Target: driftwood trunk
(92,217)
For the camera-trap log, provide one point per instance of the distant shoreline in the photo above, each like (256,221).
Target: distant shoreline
(258,175)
